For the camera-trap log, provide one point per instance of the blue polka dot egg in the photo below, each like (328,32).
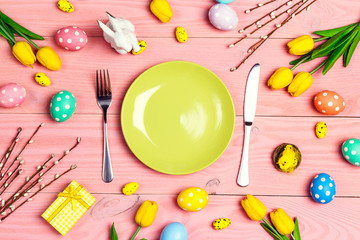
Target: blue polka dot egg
(322,188)
(62,106)
(351,151)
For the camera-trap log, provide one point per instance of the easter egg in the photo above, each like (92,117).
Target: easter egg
(142,45)
(130,188)
(181,34)
(71,38)
(221,223)
(193,199)
(223,17)
(174,231)
(12,95)
(225,1)
(322,188)
(329,102)
(42,79)
(351,151)
(65,6)
(62,106)
(321,129)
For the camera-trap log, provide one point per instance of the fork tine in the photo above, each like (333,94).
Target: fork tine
(97,83)
(105,87)
(101,84)
(109,84)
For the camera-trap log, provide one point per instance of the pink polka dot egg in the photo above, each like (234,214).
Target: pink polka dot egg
(71,38)
(329,102)
(193,199)
(12,95)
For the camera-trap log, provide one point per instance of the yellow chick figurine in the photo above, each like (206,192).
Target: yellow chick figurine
(288,159)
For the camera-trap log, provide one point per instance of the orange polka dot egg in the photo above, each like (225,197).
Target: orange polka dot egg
(329,102)
(193,199)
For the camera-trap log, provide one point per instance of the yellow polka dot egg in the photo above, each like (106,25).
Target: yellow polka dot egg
(193,199)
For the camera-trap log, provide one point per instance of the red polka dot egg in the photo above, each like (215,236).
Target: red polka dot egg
(71,38)
(12,95)
(329,102)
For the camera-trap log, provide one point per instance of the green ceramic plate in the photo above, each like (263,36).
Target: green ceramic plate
(177,117)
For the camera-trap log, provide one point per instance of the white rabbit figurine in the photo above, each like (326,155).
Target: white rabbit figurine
(120,33)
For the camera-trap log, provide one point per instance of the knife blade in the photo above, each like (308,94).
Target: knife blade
(250,101)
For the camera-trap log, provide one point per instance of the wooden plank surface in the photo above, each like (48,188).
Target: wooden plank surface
(280,118)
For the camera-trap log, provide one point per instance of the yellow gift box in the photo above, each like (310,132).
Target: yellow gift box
(68,208)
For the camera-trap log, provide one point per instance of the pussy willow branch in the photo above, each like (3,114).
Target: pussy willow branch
(297,11)
(34,194)
(8,152)
(259,6)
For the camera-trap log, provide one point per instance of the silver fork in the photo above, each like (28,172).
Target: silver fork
(103,95)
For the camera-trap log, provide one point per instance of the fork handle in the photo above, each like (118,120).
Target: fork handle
(107,172)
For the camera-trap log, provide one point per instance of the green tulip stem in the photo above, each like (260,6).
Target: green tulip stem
(320,39)
(272,228)
(7,33)
(292,236)
(300,62)
(135,233)
(26,37)
(318,67)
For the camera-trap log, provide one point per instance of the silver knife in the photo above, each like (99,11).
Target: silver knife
(251,93)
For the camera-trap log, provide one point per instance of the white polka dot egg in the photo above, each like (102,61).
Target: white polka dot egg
(329,102)
(71,38)
(193,199)
(223,17)
(62,106)
(351,151)
(322,188)
(12,95)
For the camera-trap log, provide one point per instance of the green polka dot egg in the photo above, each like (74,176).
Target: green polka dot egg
(62,106)
(351,151)
(193,199)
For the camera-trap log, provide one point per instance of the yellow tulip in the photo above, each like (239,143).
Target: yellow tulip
(23,52)
(281,78)
(162,10)
(301,82)
(253,207)
(145,216)
(49,58)
(301,45)
(282,222)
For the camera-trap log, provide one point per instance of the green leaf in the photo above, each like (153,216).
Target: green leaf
(18,27)
(296,232)
(350,50)
(332,32)
(335,55)
(114,235)
(5,30)
(300,59)
(271,232)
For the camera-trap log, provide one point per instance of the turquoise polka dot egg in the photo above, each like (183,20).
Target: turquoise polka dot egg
(351,151)
(62,106)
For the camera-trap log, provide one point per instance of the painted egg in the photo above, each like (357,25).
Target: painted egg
(62,106)
(71,38)
(42,79)
(223,17)
(193,199)
(181,34)
(351,151)
(329,102)
(225,1)
(322,188)
(12,95)
(174,231)
(142,45)
(65,6)
(130,188)
(221,223)
(321,129)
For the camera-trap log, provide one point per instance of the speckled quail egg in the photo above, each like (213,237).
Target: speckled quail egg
(221,223)
(321,129)
(65,6)
(130,188)
(181,34)
(42,79)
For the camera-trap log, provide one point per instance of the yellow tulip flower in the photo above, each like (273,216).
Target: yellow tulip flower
(49,58)
(281,78)
(301,82)
(282,222)
(23,52)
(301,45)
(253,207)
(145,215)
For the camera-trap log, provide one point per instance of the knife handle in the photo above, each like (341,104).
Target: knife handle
(243,175)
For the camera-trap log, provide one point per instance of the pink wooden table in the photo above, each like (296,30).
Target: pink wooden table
(280,118)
